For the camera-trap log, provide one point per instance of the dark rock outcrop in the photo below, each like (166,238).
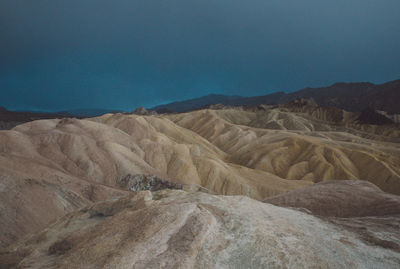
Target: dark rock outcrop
(146,183)
(143,111)
(370,116)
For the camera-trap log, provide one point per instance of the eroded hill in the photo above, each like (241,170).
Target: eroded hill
(51,167)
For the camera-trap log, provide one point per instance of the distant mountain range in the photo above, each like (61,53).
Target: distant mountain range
(89,112)
(9,119)
(348,96)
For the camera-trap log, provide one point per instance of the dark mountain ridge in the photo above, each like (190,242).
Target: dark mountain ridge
(9,119)
(89,112)
(24,116)
(348,96)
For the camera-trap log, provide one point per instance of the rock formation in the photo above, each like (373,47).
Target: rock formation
(143,111)
(178,229)
(52,168)
(370,116)
(341,198)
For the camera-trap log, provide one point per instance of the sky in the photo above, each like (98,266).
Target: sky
(121,54)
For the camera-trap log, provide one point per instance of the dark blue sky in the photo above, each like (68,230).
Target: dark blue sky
(63,54)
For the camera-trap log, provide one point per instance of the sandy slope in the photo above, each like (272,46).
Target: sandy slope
(341,198)
(52,167)
(177,229)
(297,153)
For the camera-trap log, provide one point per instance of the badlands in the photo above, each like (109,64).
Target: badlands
(288,186)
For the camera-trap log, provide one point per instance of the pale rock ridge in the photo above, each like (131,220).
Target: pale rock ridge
(177,229)
(75,163)
(341,198)
(354,205)
(297,154)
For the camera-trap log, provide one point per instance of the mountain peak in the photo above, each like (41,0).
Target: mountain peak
(351,96)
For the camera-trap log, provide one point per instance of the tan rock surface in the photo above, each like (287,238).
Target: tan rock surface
(353,205)
(341,198)
(177,229)
(298,154)
(51,167)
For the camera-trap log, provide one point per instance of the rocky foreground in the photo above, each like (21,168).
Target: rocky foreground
(185,229)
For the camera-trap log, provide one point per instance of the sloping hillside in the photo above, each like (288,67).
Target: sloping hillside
(177,229)
(51,167)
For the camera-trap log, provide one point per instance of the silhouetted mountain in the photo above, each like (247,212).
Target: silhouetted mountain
(348,96)
(6,115)
(196,103)
(9,119)
(355,96)
(86,113)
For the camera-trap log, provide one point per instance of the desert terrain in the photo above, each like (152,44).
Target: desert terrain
(241,187)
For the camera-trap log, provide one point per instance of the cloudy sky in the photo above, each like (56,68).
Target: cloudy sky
(65,54)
